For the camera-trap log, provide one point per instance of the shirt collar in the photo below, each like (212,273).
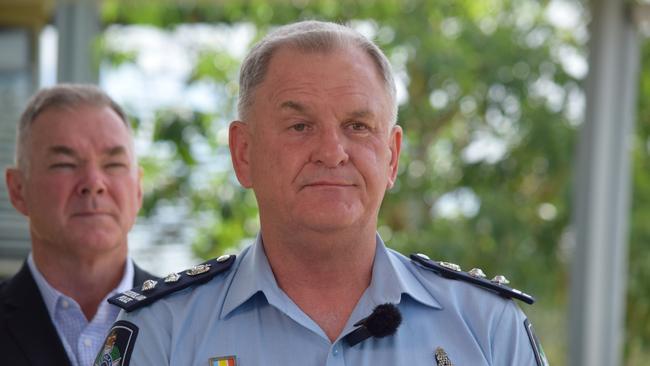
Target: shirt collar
(51,295)
(253,275)
(390,279)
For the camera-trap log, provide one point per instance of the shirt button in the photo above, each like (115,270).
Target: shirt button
(87,342)
(335,351)
(65,304)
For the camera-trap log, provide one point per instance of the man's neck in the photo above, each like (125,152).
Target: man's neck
(87,280)
(325,275)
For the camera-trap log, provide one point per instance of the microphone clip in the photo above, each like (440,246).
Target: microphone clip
(383,321)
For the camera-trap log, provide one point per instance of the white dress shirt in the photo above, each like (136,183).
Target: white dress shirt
(80,337)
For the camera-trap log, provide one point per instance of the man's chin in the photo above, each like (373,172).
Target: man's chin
(329,222)
(97,241)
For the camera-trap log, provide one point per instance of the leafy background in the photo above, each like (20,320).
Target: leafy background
(490,110)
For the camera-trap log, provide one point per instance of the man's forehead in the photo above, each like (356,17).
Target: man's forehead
(100,117)
(342,69)
(351,100)
(84,119)
(70,132)
(290,53)
(352,110)
(79,146)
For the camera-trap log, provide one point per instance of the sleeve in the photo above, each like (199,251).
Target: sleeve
(513,340)
(141,338)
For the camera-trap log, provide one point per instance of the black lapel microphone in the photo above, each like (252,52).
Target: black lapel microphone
(383,321)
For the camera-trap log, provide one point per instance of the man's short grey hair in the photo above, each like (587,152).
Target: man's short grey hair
(59,96)
(308,36)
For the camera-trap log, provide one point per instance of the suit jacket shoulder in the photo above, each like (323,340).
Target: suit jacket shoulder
(27,334)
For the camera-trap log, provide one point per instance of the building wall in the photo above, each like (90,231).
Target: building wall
(16,85)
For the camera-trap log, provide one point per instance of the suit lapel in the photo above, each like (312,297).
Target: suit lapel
(29,323)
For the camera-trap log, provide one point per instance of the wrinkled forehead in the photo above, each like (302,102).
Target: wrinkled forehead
(347,74)
(329,52)
(283,68)
(84,127)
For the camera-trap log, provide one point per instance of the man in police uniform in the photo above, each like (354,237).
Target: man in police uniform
(77,181)
(318,143)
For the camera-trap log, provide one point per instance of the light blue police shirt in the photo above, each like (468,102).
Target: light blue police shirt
(244,315)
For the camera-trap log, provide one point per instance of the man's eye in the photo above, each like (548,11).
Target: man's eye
(359,126)
(115,165)
(300,127)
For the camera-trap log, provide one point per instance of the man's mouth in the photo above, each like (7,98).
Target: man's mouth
(90,214)
(328,184)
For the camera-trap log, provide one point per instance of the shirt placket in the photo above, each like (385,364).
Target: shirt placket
(72,322)
(335,355)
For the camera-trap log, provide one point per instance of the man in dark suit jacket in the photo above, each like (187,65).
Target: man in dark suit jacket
(77,181)
(27,334)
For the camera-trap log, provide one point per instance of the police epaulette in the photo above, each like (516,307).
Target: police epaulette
(475,276)
(151,290)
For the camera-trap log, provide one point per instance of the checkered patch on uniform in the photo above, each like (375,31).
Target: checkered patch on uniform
(540,357)
(118,345)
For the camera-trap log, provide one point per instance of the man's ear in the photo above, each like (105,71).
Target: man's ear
(15,180)
(395,146)
(239,142)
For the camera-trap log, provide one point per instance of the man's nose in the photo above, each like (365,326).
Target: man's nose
(92,182)
(330,149)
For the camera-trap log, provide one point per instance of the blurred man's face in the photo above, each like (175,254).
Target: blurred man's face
(81,191)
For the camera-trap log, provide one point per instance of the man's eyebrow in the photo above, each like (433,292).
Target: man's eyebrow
(65,150)
(62,150)
(115,150)
(363,113)
(290,104)
(296,106)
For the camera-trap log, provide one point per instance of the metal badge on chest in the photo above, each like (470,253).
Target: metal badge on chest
(442,359)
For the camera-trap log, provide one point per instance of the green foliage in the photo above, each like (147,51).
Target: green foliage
(486,131)
(212,65)
(638,302)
